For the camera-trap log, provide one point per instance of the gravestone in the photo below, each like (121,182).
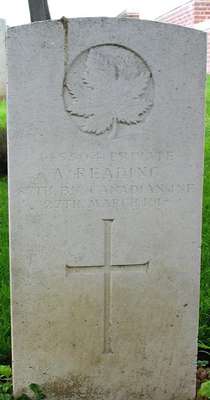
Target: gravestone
(3,67)
(105,154)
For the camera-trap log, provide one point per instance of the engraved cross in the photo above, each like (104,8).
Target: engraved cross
(107,269)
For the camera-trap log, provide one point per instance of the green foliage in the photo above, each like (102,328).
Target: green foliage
(3,116)
(37,391)
(23,397)
(6,393)
(203,346)
(39,395)
(3,139)
(5,396)
(5,382)
(5,345)
(6,387)
(204,390)
(5,371)
(204,327)
(202,363)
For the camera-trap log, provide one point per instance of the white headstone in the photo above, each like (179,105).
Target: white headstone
(3,66)
(106,153)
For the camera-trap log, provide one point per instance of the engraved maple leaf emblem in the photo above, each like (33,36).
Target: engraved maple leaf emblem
(111,89)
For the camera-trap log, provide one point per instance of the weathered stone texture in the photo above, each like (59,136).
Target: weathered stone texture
(105,154)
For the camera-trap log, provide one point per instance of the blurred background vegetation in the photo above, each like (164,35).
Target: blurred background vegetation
(5,343)
(204,327)
(3,139)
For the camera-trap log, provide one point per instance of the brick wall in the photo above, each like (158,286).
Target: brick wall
(187,14)
(182,15)
(201,11)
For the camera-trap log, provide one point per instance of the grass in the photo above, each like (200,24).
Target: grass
(5,345)
(204,328)
(3,116)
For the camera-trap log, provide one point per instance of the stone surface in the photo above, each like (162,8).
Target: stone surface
(105,169)
(3,66)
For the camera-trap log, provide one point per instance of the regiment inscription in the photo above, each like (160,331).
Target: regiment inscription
(70,183)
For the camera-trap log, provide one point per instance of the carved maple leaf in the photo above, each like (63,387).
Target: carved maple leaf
(108,93)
